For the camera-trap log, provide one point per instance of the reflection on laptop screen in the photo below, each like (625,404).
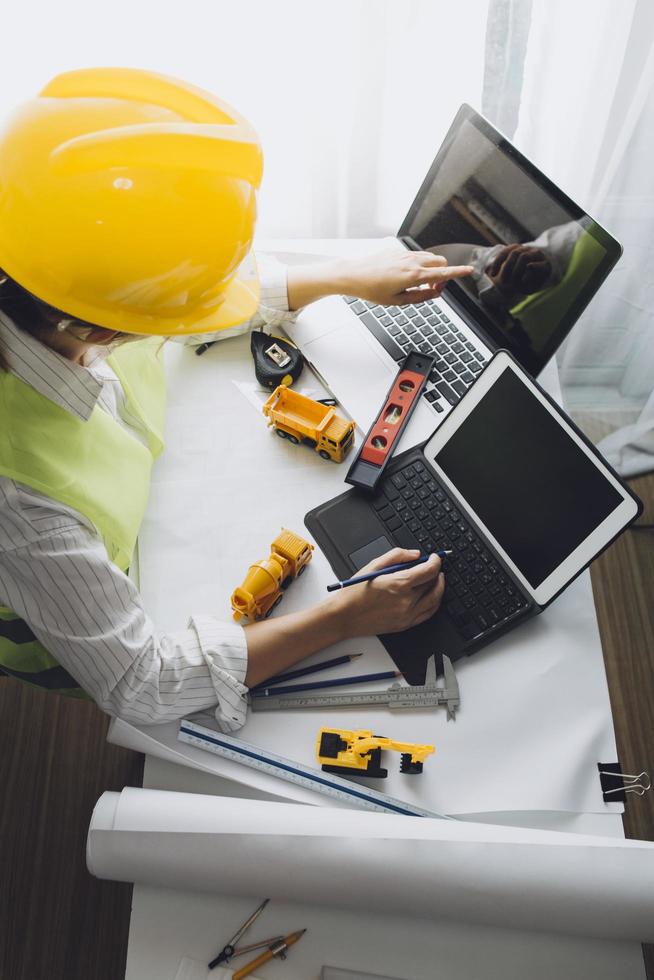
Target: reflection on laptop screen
(532,249)
(539,497)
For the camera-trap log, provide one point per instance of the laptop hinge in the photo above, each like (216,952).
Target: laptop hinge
(409,243)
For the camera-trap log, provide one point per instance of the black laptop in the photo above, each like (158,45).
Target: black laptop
(512,487)
(538,260)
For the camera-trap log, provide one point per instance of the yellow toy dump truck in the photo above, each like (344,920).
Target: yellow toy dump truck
(266,581)
(301,419)
(359,753)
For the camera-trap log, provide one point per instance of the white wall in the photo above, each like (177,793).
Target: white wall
(350,97)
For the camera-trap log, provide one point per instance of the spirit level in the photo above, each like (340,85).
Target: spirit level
(385,431)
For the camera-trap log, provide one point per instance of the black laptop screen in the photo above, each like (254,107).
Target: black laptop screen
(537,257)
(532,486)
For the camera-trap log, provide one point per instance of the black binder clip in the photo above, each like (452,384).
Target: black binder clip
(616,784)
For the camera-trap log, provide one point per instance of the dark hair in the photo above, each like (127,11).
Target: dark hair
(21,307)
(31,314)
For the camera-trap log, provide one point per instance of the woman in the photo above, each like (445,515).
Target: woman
(127,204)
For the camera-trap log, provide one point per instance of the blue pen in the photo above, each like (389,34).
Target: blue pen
(385,571)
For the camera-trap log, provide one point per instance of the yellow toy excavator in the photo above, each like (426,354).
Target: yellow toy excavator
(359,753)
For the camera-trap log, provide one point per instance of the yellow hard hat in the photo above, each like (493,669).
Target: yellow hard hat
(128,199)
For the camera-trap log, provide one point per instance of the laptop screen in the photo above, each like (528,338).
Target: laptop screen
(537,257)
(530,474)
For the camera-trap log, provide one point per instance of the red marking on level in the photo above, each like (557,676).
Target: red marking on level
(387,431)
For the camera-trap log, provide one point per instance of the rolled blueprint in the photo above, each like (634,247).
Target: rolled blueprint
(435,869)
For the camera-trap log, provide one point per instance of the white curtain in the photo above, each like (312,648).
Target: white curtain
(351,98)
(587,118)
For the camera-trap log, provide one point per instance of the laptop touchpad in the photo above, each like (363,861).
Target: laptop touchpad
(373,549)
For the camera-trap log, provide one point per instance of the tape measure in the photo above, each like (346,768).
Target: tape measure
(236,750)
(276,361)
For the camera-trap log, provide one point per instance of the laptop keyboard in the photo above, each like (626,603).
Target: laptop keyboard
(426,328)
(418,512)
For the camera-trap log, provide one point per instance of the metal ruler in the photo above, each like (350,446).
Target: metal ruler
(396,697)
(328,784)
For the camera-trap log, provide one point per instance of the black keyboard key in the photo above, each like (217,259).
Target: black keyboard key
(431,396)
(481,619)
(459,368)
(404,538)
(458,347)
(475,368)
(376,329)
(411,331)
(387,512)
(401,319)
(425,347)
(446,318)
(393,331)
(450,358)
(398,480)
(390,491)
(466,357)
(394,523)
(447,392)
(379,503)
(359,307)
(385,320)
(467,378)
(459,387)
(438,407)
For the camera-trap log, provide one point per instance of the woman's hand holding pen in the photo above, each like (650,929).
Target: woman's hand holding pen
(394,602)
(388,604)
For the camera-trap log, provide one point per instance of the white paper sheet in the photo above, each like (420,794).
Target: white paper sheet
(168,924)
(535,716)
(526,879)
(190,969)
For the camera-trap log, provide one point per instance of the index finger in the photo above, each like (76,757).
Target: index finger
(422,574)
(427,277)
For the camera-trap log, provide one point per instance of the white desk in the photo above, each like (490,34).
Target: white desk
(167,925)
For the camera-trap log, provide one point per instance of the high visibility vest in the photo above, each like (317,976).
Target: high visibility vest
(96,467)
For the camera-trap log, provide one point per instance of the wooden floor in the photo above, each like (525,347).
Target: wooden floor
(58,923)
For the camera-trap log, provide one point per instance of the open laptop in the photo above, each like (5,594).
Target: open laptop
(511,486)
(480,200)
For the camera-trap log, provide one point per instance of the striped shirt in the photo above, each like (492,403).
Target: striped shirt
(56,575)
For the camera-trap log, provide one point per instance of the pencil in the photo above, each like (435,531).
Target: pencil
(369,576)
(303,671)
(384,675)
